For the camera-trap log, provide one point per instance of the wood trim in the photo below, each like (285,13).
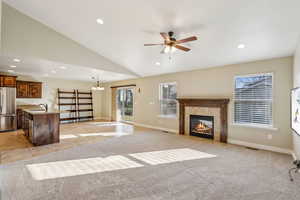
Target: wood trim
(205,102)
(119,86)
(29,82)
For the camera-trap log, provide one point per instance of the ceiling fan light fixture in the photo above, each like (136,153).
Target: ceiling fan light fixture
(100,21)
(169,49)
(241,46)
(173,49)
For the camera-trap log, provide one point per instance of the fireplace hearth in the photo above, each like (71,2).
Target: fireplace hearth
(202,126)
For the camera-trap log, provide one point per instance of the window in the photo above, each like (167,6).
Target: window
(167,98)
(253,99)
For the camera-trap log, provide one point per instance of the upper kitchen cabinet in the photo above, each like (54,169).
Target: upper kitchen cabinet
(35,90)
(26,89)
(7,81)
(22,89)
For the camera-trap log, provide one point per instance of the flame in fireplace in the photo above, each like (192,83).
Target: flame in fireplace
(202,128)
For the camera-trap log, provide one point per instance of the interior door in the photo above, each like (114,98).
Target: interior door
(125,104)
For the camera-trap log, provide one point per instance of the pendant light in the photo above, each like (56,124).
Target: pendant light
(98,87)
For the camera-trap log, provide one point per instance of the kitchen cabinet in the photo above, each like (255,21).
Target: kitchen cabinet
(26,89)
(22,89)
(35,90)
(7,81)
(20,118)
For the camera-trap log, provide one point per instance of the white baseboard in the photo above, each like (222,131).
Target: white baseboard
(294,155)
(156,127)
(260,146)
(102,118)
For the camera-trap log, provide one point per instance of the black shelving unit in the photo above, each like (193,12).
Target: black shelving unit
(75,106)
(67,105)
(85,105)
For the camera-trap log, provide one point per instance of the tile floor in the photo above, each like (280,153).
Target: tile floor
(14,145)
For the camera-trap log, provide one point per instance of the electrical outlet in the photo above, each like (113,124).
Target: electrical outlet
(270,136)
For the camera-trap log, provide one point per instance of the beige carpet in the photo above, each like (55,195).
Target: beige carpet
(151,165)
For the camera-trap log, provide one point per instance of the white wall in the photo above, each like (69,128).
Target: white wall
(50,87)
(23,36)
(296,73)
(216,82)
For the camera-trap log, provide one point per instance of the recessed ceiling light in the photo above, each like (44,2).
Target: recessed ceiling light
(17,60)
(157,63)
(63,67)
(53,71)
(100,21)
(13,66)
(241,46)
(11,71)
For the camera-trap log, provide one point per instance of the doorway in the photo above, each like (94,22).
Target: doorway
(125,104)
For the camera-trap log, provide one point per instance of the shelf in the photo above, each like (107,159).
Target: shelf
(85,104)
(84,93)
(86,117)
(67,104)
(68,119)
(85,110)
(64,92)
(68,110)
(85,98)
(67,97)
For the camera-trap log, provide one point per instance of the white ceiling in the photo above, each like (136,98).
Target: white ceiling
(44,68)
(268,28)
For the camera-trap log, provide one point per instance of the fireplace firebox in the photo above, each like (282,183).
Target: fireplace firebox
(202,126)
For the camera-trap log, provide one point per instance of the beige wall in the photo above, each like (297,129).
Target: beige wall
(49,95)
(216,82)
(296,73)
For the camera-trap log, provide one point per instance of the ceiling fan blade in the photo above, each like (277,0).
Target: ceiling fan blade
(189,39)
(182,48)
(152,44)
(165,36)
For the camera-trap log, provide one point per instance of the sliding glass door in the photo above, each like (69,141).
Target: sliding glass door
(125,104)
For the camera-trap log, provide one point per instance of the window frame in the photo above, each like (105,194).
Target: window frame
(255,125)
(160,99)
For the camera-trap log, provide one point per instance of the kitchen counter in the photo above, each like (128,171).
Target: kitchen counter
(41,127)
(41,112)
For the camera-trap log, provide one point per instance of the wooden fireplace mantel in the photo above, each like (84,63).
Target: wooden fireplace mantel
(221,103)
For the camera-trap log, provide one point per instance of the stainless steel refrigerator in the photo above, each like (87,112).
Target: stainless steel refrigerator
(8,118)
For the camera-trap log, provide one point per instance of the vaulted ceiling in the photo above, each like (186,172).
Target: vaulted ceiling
(267,28)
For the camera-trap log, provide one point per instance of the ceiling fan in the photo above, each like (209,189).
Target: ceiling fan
(171,44)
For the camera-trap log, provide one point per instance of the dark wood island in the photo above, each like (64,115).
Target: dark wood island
(41,127)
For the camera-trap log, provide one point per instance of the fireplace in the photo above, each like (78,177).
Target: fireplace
(202,126)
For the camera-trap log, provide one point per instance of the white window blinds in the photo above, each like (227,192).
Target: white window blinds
(253,99)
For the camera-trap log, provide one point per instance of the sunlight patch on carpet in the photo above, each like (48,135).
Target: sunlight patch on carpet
(70,136)
(116,134)
(170,156)
(69,168)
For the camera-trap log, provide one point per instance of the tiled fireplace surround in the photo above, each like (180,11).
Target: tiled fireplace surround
(206,107)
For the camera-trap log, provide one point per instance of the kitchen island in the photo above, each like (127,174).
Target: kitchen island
(41,127)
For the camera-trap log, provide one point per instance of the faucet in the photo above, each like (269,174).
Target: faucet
(45,106)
